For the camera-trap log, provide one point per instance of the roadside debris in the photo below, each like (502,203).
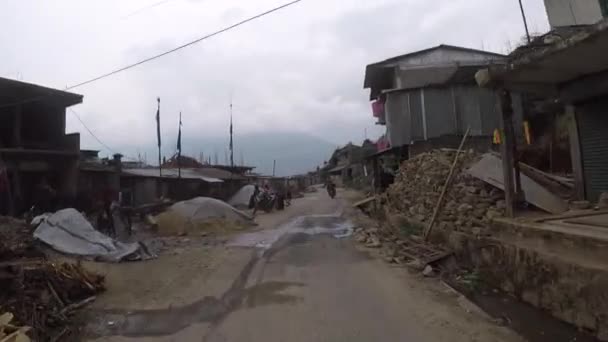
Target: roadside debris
(399,248)
(9,332)
(489,169)
(40,294)
(202,214)
(17,240)
(44,295)
(470,203)
(68,231)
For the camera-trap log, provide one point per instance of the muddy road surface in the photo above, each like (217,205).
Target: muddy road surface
(298,277)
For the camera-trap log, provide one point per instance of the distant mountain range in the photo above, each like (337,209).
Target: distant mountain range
(294,152)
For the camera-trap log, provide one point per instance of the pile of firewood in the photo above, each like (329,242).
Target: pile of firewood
(43,295)
(38,293)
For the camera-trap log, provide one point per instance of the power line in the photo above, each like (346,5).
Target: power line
(130,66)
(198,40)
(91,132)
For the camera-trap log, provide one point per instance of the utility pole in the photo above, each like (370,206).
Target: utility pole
(274,167)
(523,15)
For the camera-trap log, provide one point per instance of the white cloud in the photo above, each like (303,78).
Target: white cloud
(297,69)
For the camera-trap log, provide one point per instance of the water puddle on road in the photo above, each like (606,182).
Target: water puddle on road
(162,322)
(334,225)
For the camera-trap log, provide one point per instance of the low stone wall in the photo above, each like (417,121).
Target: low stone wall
(573,291)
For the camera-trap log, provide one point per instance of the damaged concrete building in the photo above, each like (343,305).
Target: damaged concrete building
(558,263)
(428,99)
(39,161)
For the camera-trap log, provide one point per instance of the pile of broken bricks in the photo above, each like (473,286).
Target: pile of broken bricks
(470,203)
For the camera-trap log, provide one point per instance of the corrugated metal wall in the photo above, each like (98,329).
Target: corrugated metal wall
(468,108)
(592,120)
(415,103)
(445,111)
(440,118)
(398,126)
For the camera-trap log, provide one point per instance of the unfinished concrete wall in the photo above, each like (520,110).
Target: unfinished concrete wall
(573,12)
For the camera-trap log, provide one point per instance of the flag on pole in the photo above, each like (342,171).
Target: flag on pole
(179,147)
(231,142)
(160,165)
(179,135)
(158,123)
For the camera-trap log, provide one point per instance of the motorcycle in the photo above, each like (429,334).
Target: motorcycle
(266,201)
(331,190)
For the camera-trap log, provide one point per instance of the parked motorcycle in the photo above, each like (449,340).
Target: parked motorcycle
(266,201)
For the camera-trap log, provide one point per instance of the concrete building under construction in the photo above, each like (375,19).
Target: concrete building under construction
(38,160)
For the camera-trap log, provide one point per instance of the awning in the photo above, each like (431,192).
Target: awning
(554,68)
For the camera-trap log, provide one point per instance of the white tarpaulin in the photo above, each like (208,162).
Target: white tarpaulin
(240,200)
(68,231)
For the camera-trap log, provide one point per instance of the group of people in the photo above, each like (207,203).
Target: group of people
(266,198)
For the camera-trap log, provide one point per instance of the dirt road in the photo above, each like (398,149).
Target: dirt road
(297,278)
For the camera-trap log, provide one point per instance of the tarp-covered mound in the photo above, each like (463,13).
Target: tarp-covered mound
(202,214)
(68,231)
(241,199)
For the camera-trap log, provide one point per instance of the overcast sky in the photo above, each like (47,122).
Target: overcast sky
(300,69)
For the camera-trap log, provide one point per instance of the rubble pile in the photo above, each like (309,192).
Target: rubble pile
(17,240)
(40,294)
(10,332)
(43,295)
(469,203)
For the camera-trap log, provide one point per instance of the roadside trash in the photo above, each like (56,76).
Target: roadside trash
(69,232)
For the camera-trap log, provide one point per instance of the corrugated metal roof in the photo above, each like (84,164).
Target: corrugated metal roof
(172,174)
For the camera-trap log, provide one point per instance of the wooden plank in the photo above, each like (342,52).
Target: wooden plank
(506,149)
(364,202)
(489,169)
(446,185)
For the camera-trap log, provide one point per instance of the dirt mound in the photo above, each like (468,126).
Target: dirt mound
(202,214)
(469,205)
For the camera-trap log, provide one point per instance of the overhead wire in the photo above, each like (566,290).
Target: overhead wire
(146,60)
(149,59)
(198,40)
(91,132)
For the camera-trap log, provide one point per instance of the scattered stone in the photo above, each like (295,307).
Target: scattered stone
(417,186)
(428,271)
(373,242)
(602,203)
(501,204)
(416,265)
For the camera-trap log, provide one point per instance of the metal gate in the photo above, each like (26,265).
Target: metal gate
(592,120)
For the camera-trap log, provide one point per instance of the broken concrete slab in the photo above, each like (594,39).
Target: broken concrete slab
(489,169)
